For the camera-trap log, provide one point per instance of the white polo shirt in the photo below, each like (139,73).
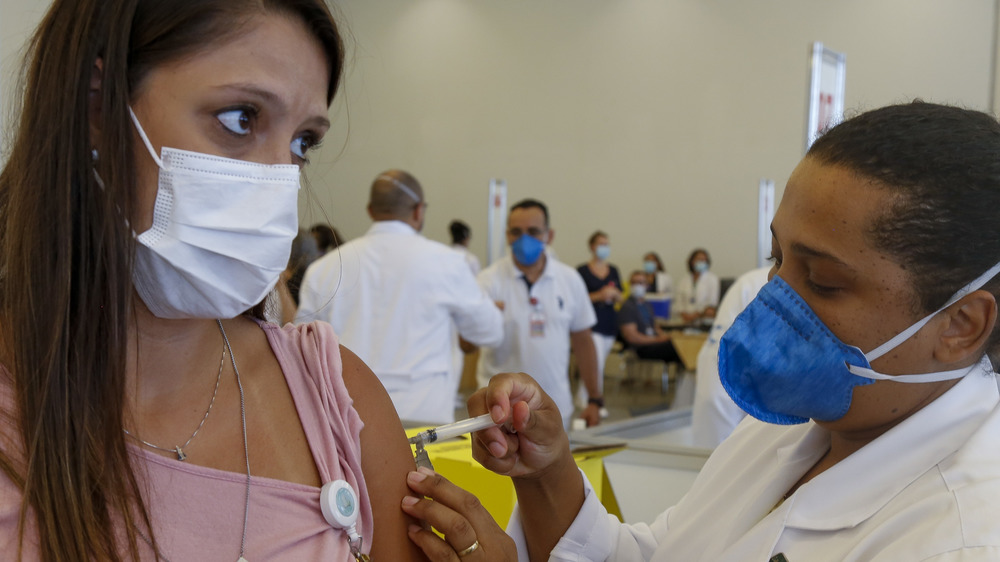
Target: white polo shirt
(561,303)
(928,489)
(396,299)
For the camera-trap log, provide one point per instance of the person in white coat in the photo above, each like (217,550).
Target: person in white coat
(714,415)
(698,291)
(396,299)
(866,363)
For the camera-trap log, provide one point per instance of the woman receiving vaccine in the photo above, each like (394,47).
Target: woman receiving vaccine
(148,206)
(865,363)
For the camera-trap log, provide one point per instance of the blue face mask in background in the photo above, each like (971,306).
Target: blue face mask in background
(649,266)
(527,249)
(782,365)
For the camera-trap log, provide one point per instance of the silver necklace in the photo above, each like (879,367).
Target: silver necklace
(246,447)
(179,449)
(246,454)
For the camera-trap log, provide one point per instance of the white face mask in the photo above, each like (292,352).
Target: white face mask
(222,233)
(638,291)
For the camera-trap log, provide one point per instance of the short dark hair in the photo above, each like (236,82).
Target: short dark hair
(459,231)
(942,166)
(532,204)
(326,236)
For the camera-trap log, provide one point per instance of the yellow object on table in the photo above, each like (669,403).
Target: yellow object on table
(453,460)
(688,346)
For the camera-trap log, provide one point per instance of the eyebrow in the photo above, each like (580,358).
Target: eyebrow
(273,99)
(809,251)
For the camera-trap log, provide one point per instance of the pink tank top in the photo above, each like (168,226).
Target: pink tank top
(197,512)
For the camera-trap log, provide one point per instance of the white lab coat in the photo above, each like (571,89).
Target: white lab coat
(695,297)
(714,415)
(562,297)
(469,257)
(395,299)
(928,489)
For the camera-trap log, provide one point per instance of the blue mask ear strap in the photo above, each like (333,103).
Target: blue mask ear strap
(906,334)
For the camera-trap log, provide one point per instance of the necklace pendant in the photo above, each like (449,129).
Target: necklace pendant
(181,456)
(242,559)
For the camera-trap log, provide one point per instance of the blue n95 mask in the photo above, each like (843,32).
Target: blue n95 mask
(782,365)
(527,249)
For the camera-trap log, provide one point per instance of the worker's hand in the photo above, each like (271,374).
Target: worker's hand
(469,530)
(532,439)
(592,415)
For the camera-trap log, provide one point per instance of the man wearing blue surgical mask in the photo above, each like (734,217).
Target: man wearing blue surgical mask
(546,310)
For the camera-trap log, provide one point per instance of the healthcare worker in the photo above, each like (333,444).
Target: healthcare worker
(864,363)
(149,202)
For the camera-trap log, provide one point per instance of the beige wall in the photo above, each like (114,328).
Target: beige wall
(17,20)
(650,119)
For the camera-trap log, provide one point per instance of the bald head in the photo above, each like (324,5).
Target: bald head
(394,196)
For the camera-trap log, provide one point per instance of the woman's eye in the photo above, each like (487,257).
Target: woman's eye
(236,120)
(302,144)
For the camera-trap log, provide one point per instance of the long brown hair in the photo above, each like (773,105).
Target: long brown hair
(66,255)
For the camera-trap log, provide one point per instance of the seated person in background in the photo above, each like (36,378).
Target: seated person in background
(698,292)
(657,279)
(714,415)
(637,327)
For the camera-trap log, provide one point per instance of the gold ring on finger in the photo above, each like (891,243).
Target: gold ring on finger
(468,551)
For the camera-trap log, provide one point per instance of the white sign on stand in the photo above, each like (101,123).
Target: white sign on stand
(496,243)
(828,72)
(765,214)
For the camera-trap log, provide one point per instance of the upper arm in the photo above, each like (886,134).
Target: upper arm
(630,332)
(579,337)
(385,461)
(584,316)
(476,316)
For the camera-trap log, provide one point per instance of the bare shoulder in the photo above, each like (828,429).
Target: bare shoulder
(386,458)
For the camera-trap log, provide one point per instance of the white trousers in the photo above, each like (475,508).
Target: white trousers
(602,345)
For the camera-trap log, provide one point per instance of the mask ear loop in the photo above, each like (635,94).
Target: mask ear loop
(145,139)
(906,334)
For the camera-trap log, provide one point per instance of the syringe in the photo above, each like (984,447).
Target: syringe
(447,432)
(451,430)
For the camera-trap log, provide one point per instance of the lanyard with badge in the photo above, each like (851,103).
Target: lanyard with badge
(537,318)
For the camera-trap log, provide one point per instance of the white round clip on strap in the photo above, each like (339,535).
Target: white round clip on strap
(339,503)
